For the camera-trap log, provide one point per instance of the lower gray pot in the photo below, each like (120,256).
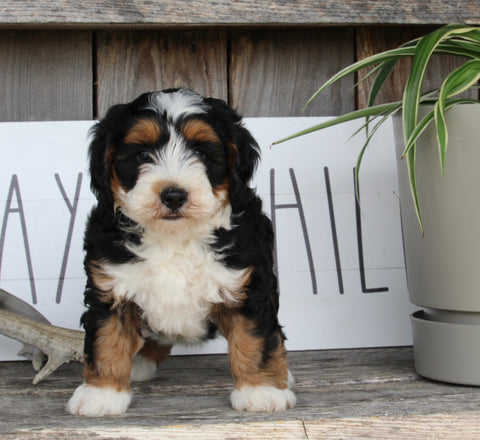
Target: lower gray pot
(443,267)
(447,351)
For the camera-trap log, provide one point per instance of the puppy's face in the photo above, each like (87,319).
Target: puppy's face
(169,172)
(170,159)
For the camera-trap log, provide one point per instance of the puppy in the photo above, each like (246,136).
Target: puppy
(177,248)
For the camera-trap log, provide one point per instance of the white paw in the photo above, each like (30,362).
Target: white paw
(91,401)
(142,369)
(262,399)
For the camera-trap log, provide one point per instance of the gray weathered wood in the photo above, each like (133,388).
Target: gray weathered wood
(432,426)
(133,62)
(46,75)
(233,12)
(275,72)
(341,394)
(458,426)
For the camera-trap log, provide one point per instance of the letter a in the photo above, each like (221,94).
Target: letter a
(15,188)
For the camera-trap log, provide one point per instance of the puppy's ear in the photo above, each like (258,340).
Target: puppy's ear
(243,152)
(105,134)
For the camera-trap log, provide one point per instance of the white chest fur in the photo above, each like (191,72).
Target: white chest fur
(176,286)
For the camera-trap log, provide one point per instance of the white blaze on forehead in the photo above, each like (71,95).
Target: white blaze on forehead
(175,162)
(177,104)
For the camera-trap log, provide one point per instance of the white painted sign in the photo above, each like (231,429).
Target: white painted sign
(341,269)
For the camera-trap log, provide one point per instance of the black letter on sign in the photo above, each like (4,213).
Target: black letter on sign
(299,206)
(73,212)
(334,231)
(14,187)
(361,260)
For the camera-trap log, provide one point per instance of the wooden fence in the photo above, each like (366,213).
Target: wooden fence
(70,60)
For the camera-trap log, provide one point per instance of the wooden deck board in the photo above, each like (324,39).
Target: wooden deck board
(368,393)
(227,12)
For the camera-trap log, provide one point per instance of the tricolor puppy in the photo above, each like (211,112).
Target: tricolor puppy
(177,248)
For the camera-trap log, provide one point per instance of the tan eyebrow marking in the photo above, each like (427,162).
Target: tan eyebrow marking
(196,130)
(144,131)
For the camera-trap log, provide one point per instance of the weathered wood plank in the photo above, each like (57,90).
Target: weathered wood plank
(372,40)
(233,12)
(46,75)
(349,391)
(434,426)
(290,430)
(133,62)
(275,72)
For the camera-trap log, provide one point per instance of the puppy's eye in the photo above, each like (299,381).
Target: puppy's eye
(144,157)
(199,153)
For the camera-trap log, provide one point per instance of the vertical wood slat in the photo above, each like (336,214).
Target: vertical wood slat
(274,72)
(46,75)
(132,62)
(372,40)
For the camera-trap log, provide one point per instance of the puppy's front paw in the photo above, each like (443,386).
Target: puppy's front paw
(262,399)
(91,401)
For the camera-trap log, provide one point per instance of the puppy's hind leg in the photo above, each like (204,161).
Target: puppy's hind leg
(145,362)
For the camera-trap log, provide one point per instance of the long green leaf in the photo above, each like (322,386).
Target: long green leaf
(393,56)
(370,135)
(410,160)
(457,39)
(429,118)
(457,49)
(383,74)
(411,97)
(462,47)
(424,50)
(385,70)
(472,34)
(419,129)
(357,114)
(367,62)
(457,82)
(412,92)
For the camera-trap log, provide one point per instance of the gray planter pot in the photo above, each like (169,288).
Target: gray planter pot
(443,267)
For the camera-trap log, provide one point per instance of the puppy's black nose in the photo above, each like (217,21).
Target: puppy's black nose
(173,197)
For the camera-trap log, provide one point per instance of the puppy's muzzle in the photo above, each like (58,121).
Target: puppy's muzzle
(173,198)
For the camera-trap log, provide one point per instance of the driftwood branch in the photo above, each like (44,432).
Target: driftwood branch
(23,323)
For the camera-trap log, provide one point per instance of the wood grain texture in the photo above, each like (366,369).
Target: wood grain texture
(133,62)
(459,426)
(432,427)
(233,12)
(275,72)
(46,75)
(373,40)
(368,393)
(290,430)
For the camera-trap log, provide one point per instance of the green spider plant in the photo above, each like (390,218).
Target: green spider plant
(454,39)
